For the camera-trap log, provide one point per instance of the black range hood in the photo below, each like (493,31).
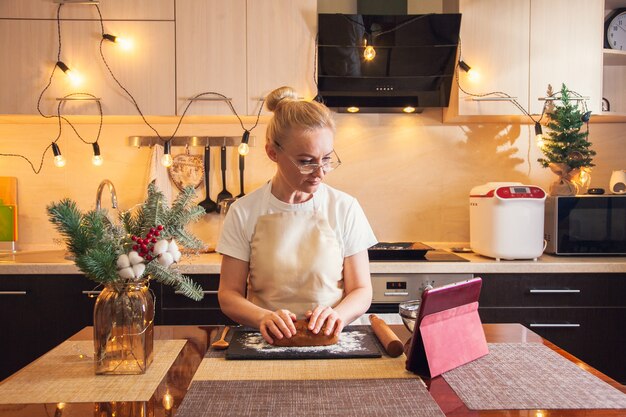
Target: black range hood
(414,63)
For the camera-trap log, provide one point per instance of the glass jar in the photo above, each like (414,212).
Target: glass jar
(123,328)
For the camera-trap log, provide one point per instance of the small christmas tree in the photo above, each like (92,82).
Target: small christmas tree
(566,148)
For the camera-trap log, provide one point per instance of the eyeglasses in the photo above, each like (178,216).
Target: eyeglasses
(306,167)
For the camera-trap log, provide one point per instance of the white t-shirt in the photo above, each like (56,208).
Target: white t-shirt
(344,214)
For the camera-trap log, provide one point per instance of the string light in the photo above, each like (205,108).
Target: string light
(166,159)
(59,160)
(96,159)
(124,43)
(369,53)
(76,79)
(539,136)
(243,146)
(472,74)
(353,109)
(409,109)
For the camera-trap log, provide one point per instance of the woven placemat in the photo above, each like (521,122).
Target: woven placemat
(363,398)
(66,374)
(367,368)
(522,376)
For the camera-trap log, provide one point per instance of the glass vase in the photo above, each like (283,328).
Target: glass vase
(123,329)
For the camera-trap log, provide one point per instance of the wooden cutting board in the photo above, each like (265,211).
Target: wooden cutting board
(354,342)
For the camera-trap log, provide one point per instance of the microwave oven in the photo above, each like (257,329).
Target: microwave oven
(586,225)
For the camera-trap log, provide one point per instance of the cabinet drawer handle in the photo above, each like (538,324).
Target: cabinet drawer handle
(12,292)
(205,292)
(555,291)
(91,293)
(393,294)
(554,325)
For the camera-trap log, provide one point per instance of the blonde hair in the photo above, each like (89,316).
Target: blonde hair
(293,113)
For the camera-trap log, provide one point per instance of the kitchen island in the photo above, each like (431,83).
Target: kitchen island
(171,390)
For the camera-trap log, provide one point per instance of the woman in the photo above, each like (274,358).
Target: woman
(296,248)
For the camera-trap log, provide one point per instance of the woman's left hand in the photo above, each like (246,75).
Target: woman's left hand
(326,318)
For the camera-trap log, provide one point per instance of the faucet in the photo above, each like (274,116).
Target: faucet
(111,190)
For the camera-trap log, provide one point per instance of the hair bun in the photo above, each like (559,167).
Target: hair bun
(281,94)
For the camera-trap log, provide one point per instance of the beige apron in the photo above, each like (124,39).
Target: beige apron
(296,261)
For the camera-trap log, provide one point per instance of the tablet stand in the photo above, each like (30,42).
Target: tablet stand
(446,340)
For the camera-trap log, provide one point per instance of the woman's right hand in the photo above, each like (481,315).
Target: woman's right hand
(277,324)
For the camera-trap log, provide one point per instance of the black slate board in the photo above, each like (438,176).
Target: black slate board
(354,342)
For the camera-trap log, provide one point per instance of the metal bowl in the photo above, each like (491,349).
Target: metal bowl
(408,311)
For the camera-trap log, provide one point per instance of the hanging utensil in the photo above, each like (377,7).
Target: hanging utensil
(224,193)
(207,204)
(241,168)
(186,170)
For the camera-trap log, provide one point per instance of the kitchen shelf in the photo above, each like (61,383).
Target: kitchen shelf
(614,57)
(139,141)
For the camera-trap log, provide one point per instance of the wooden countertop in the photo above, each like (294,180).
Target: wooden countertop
(46,262)
(173,387)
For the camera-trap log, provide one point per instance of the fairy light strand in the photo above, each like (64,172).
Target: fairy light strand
(61,118)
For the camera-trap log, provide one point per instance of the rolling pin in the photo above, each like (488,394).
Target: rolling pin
(392,344)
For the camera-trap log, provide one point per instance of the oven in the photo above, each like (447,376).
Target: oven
(390,289)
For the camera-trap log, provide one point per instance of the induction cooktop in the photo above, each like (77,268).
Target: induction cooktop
(410,252)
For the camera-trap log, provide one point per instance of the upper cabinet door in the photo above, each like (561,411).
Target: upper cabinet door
(281,48)
(147,71)
(566,39)
(110,9)
(494,42)
(211,55)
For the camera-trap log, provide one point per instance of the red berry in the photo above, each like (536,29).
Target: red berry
(149,257)
(152,229)
(160,227)
(153,240)
(135,247)
(143,248)
(157,233)
(133,238)
(149,235)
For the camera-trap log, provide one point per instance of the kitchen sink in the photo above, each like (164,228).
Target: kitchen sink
(37,257)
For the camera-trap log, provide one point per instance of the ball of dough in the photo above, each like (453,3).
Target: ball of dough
(305,337)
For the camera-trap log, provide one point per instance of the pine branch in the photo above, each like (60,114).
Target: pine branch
(173,277)
(68,220)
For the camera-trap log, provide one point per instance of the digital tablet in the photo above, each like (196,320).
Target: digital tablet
(433,301)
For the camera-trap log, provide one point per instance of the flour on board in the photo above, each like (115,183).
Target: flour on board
(348,342)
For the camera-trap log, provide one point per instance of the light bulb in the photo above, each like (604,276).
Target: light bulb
(76,78)
(473,75)
(369,53)
(167,160)
(124,43)
(539,136)
(353,109)
(409,109)
(59,159)
(96,159)
(243,149)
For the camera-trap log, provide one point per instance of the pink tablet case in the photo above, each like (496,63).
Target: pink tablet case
(448,333)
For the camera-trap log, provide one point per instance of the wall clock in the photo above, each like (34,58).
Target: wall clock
(615,30)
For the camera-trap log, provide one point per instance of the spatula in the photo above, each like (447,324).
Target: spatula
(224,193)
(207,204)
(221,343)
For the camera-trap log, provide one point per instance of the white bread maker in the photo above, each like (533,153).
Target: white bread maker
(506,220)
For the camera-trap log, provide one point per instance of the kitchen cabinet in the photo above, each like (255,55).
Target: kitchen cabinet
(38,313)
(614,73)
(110,9)
(581,313)
(281,48)
(30,46)
(519,47)
(243,50)
(178,309)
